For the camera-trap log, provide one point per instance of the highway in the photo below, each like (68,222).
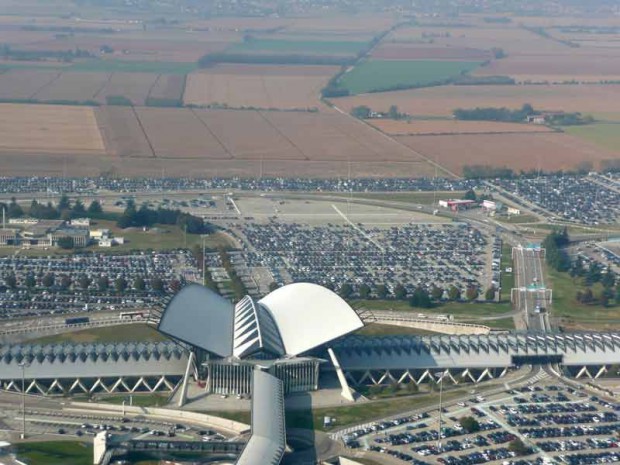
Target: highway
(531,298)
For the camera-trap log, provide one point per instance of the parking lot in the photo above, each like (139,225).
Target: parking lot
(331,254)
(555,423)
(31,286)
(581,199)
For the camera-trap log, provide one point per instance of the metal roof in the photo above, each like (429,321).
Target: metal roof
(92,360)
(308,315)
(475,351)
(268,441)
(289,321)
(201,317)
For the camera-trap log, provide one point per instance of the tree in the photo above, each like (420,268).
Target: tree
(490,294)
(471,293)
(436,292)
(31,281)
(120,284)
(364,291)
(420,298)
(470,195)
(10,280)
(139,284)
(393,112)
(48,280)
(382,291)
(157,285)
(84,281)
(14,210)
(454,293)
(400,292)
(65,282)
(64,203)
(518,447)
(469,424)
(103,283)
(78,209)
(346,290)
(65,242)
(94,208)
(361,112)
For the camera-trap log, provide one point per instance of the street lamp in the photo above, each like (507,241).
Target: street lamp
(439,375)
(23,366)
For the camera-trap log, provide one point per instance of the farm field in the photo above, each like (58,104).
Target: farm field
(123,135)
(583,66)
(440,127)
(168,87)
(546,151)
(133,86)
(606,135)
(442,101)
(49,128)
(406,51)
(77,87)
(304,47)
(259,86)
(24,83)
(373,75)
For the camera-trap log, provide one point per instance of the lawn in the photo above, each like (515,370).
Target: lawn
(377,75)
(575,314)
(314,47)
(375,329)
(159,237)
(137,400)
(120,333)
(507,280)
(607,135)
(55,453)
(461,310)
(117,66)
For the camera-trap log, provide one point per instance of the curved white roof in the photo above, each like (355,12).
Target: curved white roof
(308,315)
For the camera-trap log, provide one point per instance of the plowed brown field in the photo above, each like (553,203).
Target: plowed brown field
(440,127)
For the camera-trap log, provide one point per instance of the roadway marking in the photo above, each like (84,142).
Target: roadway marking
(357,228)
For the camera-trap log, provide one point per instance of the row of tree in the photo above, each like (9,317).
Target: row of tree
(146,217)
(555,255)
(101,283)
(63,210)
(420,297)
(494,114)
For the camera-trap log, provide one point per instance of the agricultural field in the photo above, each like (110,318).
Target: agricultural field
(405,51)
(545,151)
(49,129)
(442,101)
(24,83)
(134,87)
(302,47)
(78,87)
(583,66)
(445,127)
(258,86)
(168,87)
(123,135)
(606,135)
(374,75)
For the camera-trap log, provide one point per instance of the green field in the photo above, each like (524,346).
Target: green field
(55,453)
(114,66)
(607,135)
(424,198)
(507,280)
(137,400)
(574,314)
(461,310)
(376,75)
(120,333)
(313,47)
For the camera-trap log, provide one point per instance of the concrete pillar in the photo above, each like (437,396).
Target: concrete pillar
(346,390)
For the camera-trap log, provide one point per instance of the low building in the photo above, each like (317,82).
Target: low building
(513,211)
(9,237)
(23,221)
(457,204)
(80,236)
(80,222)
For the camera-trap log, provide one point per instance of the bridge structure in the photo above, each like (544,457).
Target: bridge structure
(473,358)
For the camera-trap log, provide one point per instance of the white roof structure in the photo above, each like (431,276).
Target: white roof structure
(287,322)
(309,315)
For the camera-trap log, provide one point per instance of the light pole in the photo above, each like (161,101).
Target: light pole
(23,366)
(204,267)
(439,376)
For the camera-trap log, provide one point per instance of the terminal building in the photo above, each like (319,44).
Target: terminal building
(301,334)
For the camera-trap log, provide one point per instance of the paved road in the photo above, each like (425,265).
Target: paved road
(531,298)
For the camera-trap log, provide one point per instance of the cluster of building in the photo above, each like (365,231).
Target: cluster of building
(33,232)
